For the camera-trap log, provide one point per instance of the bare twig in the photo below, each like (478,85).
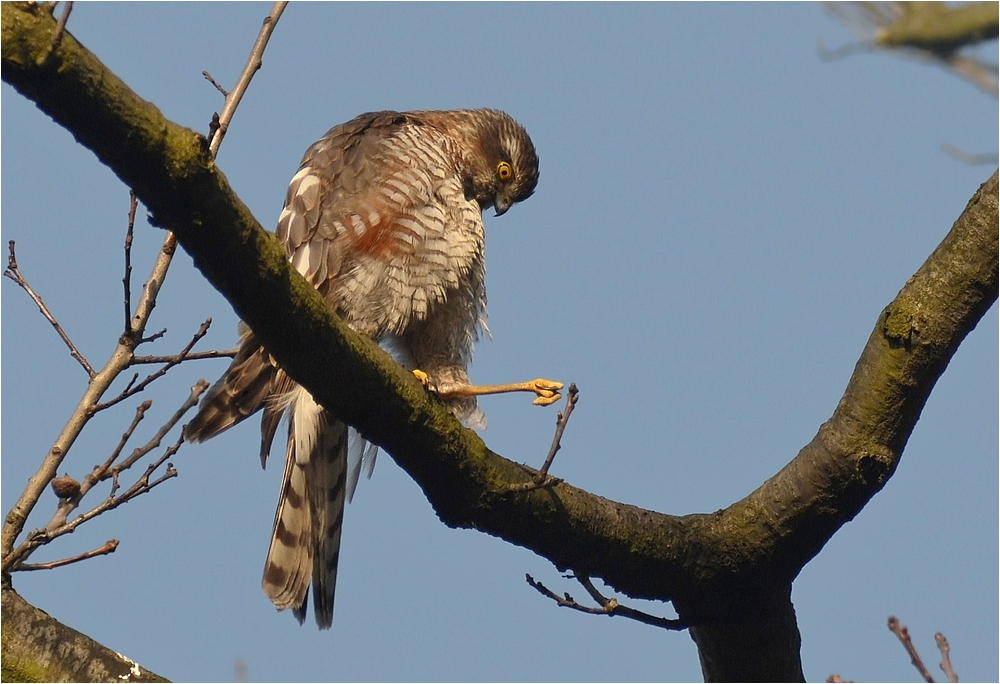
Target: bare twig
(846,50)
(945,649)
(542,478)
(968,158)
(58,525)
(193,356)
(121,358)
(253,64)
(572,395)
(99,383)
(127,278)
(903,634)
(140,413)
(14,273)
(142,485)
(106,471)
(975,72)
(196,391)
(109,547)
(131,391)
(57,34)
(154,337)
(208,77)
(608,606)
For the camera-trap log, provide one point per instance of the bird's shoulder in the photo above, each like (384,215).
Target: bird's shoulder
(385,183)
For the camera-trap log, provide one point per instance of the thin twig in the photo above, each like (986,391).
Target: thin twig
(109,547)
(253,64)
(572,395)
(14,273)
(969,158)
(903,633)
(196,391)
(542,479)
(57,34)
(105,471)
(143,485)
(945,649)
(609,606)
(131,391)
(208,77)
(193,356)
(154,337)
(133,204)
(140,413)
(847,49)
(17,516)
(978,74)
(60,26)
(43,536)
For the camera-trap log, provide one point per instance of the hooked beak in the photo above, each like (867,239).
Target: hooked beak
(501,204)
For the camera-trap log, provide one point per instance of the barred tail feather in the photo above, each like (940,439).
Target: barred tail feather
(238,394)
(305,542)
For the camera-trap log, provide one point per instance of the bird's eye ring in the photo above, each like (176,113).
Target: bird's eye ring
(504,171)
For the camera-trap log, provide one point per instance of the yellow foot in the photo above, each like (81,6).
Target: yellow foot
(547,391)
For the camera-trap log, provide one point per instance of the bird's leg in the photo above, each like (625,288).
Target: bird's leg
(547,391)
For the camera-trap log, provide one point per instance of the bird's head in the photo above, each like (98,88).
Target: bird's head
(508,168)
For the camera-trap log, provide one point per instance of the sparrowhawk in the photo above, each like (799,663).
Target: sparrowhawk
(384,218)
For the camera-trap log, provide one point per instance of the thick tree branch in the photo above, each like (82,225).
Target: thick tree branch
(38,648)
(728,572)
(924,30)
(939,28)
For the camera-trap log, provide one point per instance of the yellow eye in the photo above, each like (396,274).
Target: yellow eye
(504,171)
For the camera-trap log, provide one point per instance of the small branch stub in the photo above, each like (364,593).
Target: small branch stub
(608,606)
(110,546)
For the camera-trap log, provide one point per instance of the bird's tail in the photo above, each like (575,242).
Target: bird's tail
(305,542)
(250,380)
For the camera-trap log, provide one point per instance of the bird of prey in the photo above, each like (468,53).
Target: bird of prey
(384,218)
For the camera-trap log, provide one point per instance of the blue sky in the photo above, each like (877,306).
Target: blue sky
(720,218)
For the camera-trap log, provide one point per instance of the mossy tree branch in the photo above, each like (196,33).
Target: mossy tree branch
(728,572)
(940,28)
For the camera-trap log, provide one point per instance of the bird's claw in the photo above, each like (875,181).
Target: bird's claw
(547,391)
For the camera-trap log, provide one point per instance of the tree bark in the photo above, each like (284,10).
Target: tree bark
(39,648)
(729,573)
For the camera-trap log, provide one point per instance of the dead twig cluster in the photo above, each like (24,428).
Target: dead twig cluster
(69,491)
(903,634)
